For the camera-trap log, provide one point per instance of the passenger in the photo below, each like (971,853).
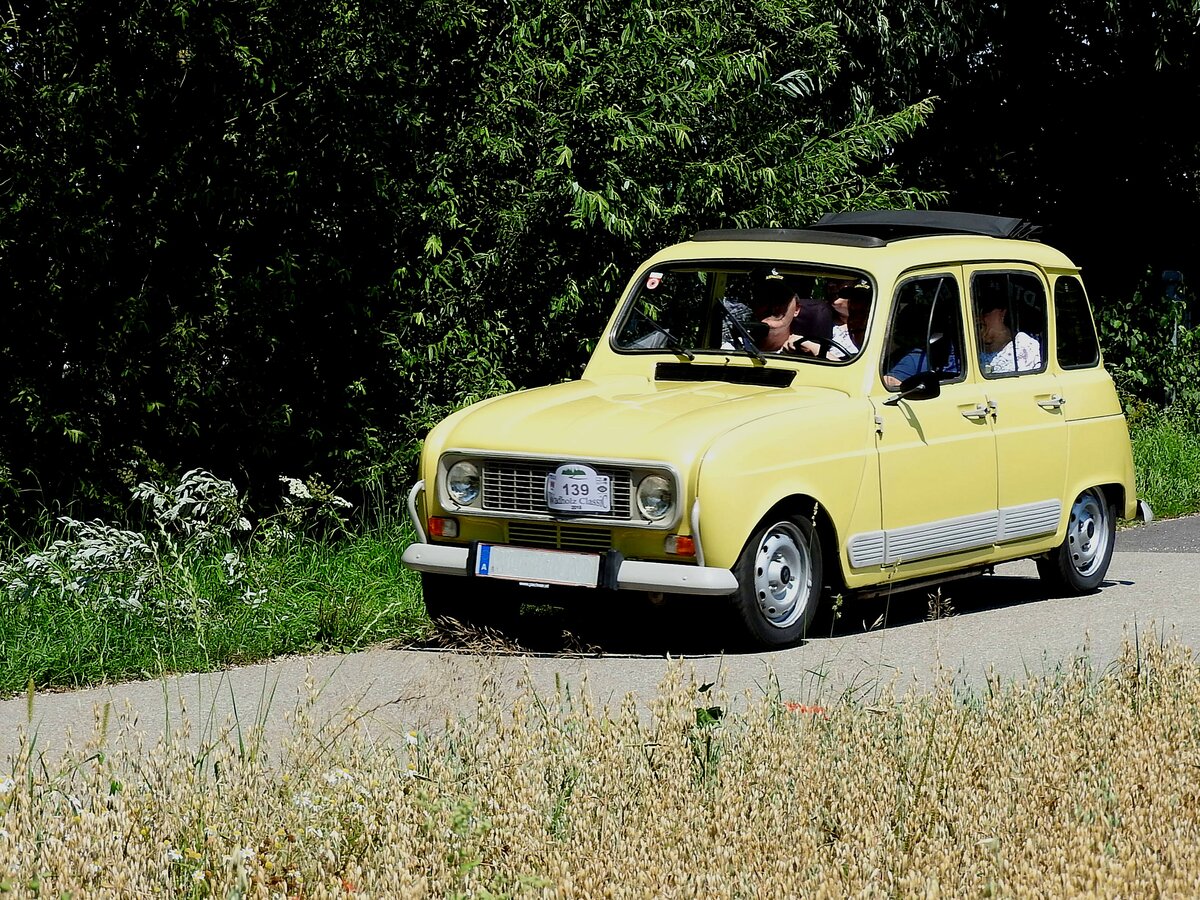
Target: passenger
(850,302)
(999,349)
(918,360)
(814,322)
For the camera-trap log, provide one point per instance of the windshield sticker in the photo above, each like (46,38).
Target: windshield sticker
(654,280)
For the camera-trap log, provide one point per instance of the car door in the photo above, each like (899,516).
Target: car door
(937,457)
(1011,335)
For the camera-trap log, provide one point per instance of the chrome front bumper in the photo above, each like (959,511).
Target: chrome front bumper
(632,574)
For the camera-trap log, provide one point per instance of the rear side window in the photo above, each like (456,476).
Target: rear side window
(1076,342)
(1010,318)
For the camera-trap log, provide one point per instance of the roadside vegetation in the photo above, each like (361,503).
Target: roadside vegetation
(198,586)
(1075,783)
(1166,454)
(1152,350)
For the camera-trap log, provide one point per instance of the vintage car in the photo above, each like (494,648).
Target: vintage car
(883,400)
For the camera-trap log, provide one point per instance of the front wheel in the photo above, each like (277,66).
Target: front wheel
(1080,562)
(779,581)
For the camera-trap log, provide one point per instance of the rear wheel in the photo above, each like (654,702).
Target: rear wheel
(464,599)
(779,581)
(1078,565)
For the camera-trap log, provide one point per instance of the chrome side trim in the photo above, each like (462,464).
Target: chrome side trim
(1029,519)
(913,542)
(867,549)
(412,510)
(696,532)
(945,536)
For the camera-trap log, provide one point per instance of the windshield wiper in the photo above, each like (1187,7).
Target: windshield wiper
(747,341)
(673,342)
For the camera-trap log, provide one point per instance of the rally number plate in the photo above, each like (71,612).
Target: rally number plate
(576,488)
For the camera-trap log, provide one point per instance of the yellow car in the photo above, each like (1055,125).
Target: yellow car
(881,400)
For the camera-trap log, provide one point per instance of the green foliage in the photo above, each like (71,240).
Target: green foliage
(1149,348)
(1073,113)
(289,236)
(1166,456)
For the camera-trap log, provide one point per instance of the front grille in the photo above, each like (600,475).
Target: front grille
(559,537)
(519,486)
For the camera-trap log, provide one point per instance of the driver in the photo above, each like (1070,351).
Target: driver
(776,304)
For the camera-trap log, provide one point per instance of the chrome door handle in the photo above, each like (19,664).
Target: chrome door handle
(979,412)
(1054,402)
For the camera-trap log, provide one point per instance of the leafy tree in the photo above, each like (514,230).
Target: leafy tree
(276,236)
(1072,113)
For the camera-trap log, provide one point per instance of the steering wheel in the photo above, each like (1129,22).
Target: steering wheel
(827,344)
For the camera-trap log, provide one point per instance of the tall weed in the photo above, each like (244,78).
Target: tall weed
(1166,457)
(1070,784)
(199,586)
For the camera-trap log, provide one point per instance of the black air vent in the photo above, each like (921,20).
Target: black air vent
(732,374)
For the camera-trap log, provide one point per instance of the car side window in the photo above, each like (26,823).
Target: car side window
(1076,333)
(926,331)
(1010,318)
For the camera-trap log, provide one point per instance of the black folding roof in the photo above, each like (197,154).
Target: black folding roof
(792,235)
(890,224)
(877,227)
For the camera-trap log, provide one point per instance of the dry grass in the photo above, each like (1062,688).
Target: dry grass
(1070,785)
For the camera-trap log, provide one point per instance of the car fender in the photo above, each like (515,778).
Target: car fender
(824,455)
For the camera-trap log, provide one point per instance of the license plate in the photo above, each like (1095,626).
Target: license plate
(544,566)
(576,488)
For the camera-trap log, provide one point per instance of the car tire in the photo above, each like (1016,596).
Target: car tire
(779,581)
(465,600)
(1078,565)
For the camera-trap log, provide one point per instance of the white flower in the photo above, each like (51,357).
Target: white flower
(198,875)
(411,739)
(174,855)
(7,786)
(296,487)
(304,801)
(338,776)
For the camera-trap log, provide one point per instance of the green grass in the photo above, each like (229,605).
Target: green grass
(1166,455)
(343,593)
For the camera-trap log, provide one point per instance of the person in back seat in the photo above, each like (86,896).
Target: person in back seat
(1000,350)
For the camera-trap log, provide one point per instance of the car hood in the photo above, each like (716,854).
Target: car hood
(623,418)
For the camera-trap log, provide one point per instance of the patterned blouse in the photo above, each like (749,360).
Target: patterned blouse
(1022,354)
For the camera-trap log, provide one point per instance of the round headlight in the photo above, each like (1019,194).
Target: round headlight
(654,497)
(462,481)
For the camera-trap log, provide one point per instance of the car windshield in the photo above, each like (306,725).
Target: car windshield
(749,309)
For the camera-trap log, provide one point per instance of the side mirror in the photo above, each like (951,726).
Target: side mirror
(922,386)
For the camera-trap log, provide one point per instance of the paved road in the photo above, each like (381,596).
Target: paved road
(1002,623)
